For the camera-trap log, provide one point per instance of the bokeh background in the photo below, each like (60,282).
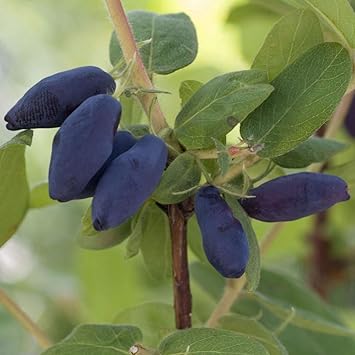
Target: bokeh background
(42,267)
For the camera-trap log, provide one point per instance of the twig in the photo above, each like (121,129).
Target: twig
(140,77)
(24,320)
(232,290)
(235,170)
(270,236)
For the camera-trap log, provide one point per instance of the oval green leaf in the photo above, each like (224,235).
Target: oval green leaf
(105,339)
(183,174)
(14,189)
(314,150)
(291,36)
(306,94)
(172,41)
(218,106)
(89,238)
(210,341)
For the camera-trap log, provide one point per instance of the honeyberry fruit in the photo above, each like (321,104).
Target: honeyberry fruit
(224,240)
(129,181)
(49,102)
(122,142)
(294,196)
(82,145)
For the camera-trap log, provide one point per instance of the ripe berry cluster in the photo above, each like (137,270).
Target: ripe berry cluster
(286,198)
(89,156)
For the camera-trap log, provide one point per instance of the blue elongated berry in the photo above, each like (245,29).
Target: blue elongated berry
(122,142)
(295,196)
(129,181)
(224,240)
(82,145)
(49,102)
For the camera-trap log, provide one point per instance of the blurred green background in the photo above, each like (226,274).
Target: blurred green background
(42,267)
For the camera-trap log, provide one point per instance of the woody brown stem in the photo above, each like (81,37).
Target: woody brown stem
(178,216)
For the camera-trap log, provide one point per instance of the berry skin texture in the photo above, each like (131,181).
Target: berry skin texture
(224,240)
(295,196)
(129,180)
(49,102)
(122,142)
(82,145)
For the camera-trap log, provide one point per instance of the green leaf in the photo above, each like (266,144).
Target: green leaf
(194,239)
(314,150)
(131,112)
(210,341)
(155,319)
(89,238)
(291,37)
(218,106)
(254,265)
(187,89)
(338,16)
(183,174)
(155,244)
(284,291)
(173,41)
(39,197)
(138,130)
(301,318)
(14,189)
(105,339)
(306,94)
(254,329)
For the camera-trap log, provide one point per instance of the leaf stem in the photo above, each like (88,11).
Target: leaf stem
(140,77)
(24,320)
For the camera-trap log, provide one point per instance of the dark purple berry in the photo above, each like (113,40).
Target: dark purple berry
(295,196)
(49,102)
(129,181)
(223,237)
(123,141)
(82,145)
(350,119)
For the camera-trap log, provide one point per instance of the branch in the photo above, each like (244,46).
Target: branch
(232,290)
(140,77)
(182,293)
(24,320)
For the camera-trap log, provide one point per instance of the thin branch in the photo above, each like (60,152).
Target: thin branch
(24,320)
(270,236)
(140,77)
(232,290)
